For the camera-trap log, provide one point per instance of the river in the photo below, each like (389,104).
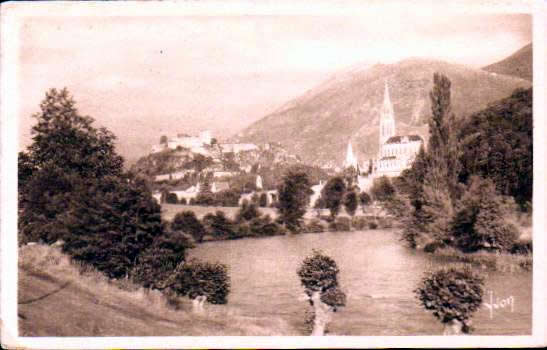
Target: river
(377,273)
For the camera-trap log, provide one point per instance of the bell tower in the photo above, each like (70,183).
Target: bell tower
(387,118)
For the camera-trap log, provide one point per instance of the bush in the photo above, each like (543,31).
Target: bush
(315,226)
(522,247)
(372,225)
(187,221)
(479,222)
(183,201)
(263,202)
(359,223)
(219,226)
(340,224)
(451,294)
(247,212)
(171,198)
(197,278)
(158,262)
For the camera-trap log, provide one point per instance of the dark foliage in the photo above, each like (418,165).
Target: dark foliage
(108,223)
(171,198)
(502,146)
(219,226)
(319,273)
(351,201)
(451,294)
(340,224)
(156,263)
(382,190)
(294,196)
(333,194)
(187,222)
(263,201)
(247,212)
(479,222)
(197,278)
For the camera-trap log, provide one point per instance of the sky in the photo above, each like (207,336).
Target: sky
(147,76)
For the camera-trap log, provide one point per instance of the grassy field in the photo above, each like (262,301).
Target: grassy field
(59,298)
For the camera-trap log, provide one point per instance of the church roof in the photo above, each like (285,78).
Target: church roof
(401,139)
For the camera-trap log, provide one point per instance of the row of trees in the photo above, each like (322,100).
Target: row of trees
(449,205)
(72,188)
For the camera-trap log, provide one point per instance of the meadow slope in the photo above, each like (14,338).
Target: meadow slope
(60,298)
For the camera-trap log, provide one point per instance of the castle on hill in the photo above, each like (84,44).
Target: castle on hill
(396,152)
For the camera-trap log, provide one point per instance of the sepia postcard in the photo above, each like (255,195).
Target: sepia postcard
(273,174)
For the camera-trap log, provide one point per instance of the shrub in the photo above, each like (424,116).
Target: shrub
(340,224)
(315,226)
(372,225)
(218,225)
(183,201)
(351,201)
(479,222)
(360,223)
(522,247)
(197,278)
(247,212)
(451,294)
(158,262)
(187,221)
(171,198)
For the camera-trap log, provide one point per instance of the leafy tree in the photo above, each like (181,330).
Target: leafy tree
(453,295)
(108,223)
(294,196)
(247,212)
(171,198)
(187,222)
(333,194)
(351,201)
(66,151)
(157,262)
(319,276)
(500,146)
(197,278)
(479,222)
(205,195)
(218,225)
(364,200)
(382,190)
(227,198)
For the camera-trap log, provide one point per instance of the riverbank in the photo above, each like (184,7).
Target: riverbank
(502,262)
(58,297)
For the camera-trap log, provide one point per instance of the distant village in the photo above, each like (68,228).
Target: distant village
(192,164)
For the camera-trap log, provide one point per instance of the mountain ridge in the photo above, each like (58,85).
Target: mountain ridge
(318,124)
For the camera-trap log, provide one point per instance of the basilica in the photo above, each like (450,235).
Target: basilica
(396,152)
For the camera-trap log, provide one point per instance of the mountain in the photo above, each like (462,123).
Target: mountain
(318,125)
(518,64)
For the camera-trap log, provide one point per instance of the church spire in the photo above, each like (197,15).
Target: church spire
(350,157)
(387,118)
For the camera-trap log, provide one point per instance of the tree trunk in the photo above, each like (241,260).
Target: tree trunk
(453,327)
(197,304)
(322,315)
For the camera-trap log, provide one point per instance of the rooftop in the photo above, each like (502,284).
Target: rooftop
(404,139)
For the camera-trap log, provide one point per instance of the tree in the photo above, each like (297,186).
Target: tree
(197,278)
(219,226)
(364,200)
(108,223)
(319,276)
(333,194)
(171,198)
(157,262)
(247,212)
(187,221)
(66,151)
(452,295)
(351,201)
(479,222)
(382,190)
(294,196)
(205,195)
(163,140)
